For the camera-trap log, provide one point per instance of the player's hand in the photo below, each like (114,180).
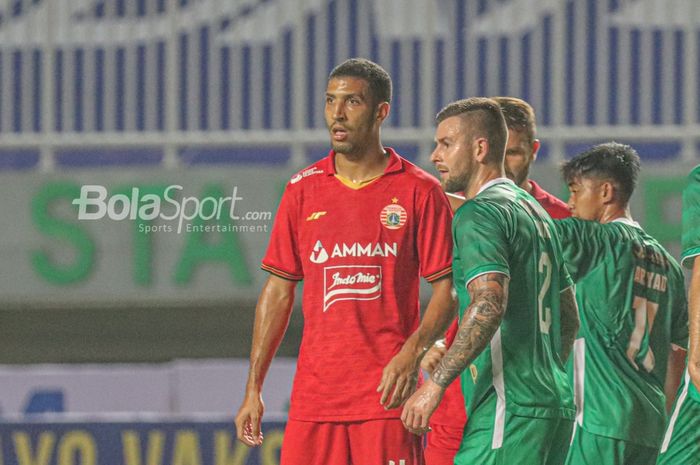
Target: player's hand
(399,379)
(433,356)
(420,406)
(249,419)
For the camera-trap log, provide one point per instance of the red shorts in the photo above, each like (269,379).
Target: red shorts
(381,442)
(442,444)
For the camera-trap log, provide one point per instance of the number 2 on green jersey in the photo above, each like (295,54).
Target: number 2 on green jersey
(545,313)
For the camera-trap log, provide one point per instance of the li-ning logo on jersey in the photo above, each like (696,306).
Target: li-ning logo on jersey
(355,249)
(315,215)
(353,282)
(393,216)
(299,176)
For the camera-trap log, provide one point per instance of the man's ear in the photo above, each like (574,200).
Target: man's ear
(382,111)
(608,192)
(481,148)
(535,148)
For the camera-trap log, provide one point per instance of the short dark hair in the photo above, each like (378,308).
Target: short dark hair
(486,121)
(378,79)
(610,161)
(519,116)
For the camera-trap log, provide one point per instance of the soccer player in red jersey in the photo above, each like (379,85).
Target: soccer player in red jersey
(447,423)
(360,227)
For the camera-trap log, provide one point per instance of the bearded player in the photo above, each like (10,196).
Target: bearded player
(447,423)
(517,309)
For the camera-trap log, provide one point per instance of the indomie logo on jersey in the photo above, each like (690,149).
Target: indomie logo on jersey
(355,249)
(352,282)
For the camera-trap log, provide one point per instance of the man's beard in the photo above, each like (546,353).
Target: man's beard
(456,184)
(517,179)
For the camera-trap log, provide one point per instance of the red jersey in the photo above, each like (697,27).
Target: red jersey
(556,208)
(451,411)
(361,254)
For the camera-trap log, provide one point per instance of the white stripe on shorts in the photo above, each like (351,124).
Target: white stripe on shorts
(674,417)
(579,377)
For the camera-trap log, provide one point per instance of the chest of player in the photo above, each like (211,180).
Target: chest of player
(341,226)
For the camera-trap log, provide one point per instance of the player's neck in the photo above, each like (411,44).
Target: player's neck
(483,176)
(364,166)
(526,186)
(614,212)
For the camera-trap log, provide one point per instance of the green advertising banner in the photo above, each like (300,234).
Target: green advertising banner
(158,236)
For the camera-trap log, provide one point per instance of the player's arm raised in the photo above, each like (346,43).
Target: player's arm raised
(271,320)
(570,322)
(489,298)
(400,376)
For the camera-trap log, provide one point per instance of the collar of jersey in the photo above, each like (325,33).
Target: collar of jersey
(493,182)
(395,163)
(537,192)
(627,221)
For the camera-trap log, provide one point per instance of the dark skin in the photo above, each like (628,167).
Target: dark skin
(353,118)
(271,320)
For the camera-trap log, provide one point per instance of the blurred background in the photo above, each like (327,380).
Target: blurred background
(122,336)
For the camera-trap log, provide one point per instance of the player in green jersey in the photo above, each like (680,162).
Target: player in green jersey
(630,294)
(518,315)
(681,444)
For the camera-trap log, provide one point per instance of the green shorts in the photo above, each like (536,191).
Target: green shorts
(521,440)
(681,445)
(591,449)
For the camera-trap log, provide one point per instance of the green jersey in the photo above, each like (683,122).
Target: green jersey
(504,230)
(691,218)
(632,306)
(690,241)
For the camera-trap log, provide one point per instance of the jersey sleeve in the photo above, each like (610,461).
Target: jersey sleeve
(282,256)
(434,236)
(565,280)
(481,241)
(690,241)
(581,245)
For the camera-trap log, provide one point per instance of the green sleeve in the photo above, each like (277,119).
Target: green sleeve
(480,240)
(691,218)
(581,245)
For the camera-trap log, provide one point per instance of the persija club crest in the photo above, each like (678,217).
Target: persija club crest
(393,216)
(351,282)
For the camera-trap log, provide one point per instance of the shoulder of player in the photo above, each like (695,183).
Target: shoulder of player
(310,174)
(419,175)
(694,175)
(476,209)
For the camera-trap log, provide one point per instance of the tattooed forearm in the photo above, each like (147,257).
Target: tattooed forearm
(489,296)
(569,321)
